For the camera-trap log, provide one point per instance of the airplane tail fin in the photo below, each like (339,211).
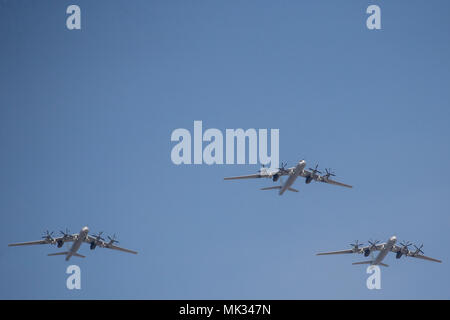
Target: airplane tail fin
(370,262)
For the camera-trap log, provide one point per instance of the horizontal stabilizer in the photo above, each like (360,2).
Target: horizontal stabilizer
(363,262)
(58,254)
(370,262)
(292,189)
(271,188)
(243,177)
(78,255)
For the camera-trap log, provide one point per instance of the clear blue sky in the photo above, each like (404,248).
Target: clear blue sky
(85,124)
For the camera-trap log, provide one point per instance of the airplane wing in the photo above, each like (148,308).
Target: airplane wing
(396,249)
(43,241)
(335,252)
(29,243)
(359,250)
(420,256)
(376,247)
(103,244)
(330,181)
(306,174)
(114,247)
(89,239)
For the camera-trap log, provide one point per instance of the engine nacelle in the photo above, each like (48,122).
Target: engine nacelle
(93,245)
(308,180)
(398,255)
(366,252)
(60,243)
(275,177)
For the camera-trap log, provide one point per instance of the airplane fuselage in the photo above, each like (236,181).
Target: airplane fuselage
(386,249)
(292,177)
(77,243)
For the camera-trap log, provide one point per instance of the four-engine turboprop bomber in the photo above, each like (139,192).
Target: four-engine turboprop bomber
(384,249)
(77,239)
(292,173)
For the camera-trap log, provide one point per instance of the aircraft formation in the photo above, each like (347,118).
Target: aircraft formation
(292,173)
(313,174)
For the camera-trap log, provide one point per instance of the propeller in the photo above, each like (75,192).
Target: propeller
(112,239)
(373,244)
(48,235)
(329,173)
(418,250)
(314,171)
(356,245)
(405,245)
(98,236)
(65,233)
(283,167)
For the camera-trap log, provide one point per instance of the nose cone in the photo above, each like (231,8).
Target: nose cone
(85,229)
(302,162)
(393,238)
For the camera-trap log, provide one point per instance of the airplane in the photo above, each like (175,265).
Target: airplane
(293,173)
(384,248)
(77,239)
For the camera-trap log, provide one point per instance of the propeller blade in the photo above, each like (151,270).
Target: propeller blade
(405,244)
(356,245)
(315,169)
(373,243)
(47,235)
(419,250)
(329,172)
(113,239)
(98,236)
